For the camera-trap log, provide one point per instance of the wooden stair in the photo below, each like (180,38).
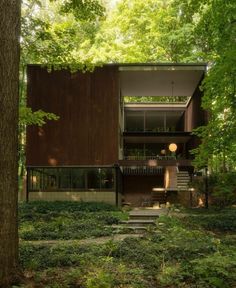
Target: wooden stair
(183,180)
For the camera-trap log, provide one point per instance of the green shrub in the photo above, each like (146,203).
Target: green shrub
(214,271)
(224,220)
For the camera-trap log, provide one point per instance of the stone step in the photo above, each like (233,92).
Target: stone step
(137,228)
(139,222)
(143,216)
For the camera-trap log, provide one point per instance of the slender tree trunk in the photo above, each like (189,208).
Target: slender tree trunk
(9,75)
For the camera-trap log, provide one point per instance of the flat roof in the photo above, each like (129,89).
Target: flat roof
(172,79)
(158,79)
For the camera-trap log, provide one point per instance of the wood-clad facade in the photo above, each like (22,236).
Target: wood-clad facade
(87,104)
(87,153)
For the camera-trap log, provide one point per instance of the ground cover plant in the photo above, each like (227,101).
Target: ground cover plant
(67,220)
(188,249)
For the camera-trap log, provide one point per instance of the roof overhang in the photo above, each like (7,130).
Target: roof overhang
(160,79)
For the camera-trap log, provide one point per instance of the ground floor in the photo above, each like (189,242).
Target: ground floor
(133,186)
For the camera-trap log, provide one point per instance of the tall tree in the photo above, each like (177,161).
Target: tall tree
(9,75)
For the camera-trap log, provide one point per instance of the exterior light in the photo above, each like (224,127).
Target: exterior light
(152,163)
(163,151)
(172,147)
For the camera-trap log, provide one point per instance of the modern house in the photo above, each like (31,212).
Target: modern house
(124,133)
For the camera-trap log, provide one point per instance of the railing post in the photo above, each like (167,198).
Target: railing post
(27,184)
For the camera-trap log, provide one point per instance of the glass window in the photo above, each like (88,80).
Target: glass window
(64,178)
(134,121)
(93,178)
(49,179)
(78,178)
(107,178)
(155,121)
(35,179)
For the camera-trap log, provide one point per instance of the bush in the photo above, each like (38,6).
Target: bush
(224,189)
(213,220)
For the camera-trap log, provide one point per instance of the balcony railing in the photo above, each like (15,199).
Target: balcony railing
(143,158)
(142,170)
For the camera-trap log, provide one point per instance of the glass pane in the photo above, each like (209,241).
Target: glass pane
(93,178)
(154,149)
(78,178)
(65,178)
(174,121)
(134,121)
(35,178)
(107,178)
(155,121)
(49,179)
(134,149)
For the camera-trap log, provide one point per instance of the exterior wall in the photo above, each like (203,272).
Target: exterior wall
(170,177)
(87,104)
(138,188)
(194,116)
(89,196)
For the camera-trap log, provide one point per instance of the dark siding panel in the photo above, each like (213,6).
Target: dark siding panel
(195,116)
(104,116)
(138,188)
(85,107)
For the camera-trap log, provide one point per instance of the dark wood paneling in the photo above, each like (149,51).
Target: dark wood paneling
(87,103)
(139,188)
(195,116)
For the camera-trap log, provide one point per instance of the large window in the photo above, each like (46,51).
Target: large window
(154,121)
(70,179)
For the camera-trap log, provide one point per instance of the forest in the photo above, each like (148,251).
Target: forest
(81,35)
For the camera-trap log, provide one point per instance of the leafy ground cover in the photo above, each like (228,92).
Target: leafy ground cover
(67,220)
(187,250)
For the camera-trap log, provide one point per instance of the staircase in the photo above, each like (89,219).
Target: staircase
(158,197)
(183,180)
(140,220)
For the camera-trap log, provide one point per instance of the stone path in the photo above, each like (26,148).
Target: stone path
(100,240)
(140,213)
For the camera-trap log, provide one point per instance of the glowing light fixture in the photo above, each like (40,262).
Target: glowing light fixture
(172,147)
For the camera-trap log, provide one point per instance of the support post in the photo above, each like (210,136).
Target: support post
(206,188)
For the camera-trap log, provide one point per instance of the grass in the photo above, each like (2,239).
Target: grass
(197,250)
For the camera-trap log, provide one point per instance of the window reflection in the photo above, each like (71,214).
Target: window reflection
(76,178)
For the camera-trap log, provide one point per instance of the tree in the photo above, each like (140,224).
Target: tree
(9,75)
(215,32)
(56,34)
(144,31)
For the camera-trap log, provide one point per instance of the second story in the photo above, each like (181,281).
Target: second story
(161,106)
(118,112)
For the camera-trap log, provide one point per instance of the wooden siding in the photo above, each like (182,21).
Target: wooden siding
(87,103)
(139,188)
(195,116)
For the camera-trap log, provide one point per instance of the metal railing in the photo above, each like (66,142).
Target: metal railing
(143,170)
(138,157)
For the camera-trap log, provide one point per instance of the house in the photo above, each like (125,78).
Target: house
(124,133)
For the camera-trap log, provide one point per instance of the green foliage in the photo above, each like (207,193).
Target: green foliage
(67,220)
(39,118)
(181,253)
(155,99)
(83,10)
(214,220)
(215,270)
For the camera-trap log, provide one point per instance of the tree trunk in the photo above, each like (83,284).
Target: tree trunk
(9,75)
